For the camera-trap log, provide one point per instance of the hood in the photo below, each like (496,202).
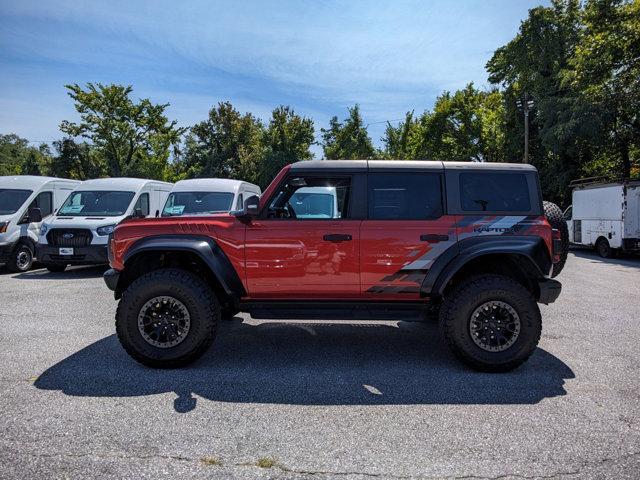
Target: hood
(5,218)
(80,222)
(206,224)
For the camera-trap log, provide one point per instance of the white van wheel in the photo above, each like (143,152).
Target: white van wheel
(21,259)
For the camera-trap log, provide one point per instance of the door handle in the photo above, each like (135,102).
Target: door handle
(337,237)
(434,238)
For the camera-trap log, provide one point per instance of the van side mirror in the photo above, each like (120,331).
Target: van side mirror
(35,215)
(137,213)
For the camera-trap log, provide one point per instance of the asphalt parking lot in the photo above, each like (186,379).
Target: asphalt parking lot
(310,399)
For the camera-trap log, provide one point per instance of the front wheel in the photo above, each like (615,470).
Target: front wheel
(21,259)
(167,318)
(491,322)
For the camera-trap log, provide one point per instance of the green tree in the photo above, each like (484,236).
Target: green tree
(18,158)
(396,140)
(30,165)
(135,138)
(466,125)
(226,145)
(288,139)
(79,161)
(605,69)
(348,139)
(13,150)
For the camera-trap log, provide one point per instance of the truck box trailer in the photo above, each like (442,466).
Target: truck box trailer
(605,216)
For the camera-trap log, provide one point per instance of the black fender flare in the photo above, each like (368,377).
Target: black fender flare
(531,249)
(204,247)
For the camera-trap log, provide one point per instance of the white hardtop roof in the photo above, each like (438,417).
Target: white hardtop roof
(118,184)
(210,185)
(30,182)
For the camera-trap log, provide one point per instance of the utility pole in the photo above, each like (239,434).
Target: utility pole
(526,105)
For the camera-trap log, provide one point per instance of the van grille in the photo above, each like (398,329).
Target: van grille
(69,237)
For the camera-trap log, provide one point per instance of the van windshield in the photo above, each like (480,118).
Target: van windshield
(197,203)
(11,200)
(101,203)
(310,204)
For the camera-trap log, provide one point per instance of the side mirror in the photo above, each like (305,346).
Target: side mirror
(251,208)
(137,213)
(35,215)
(252,205)
(157,213)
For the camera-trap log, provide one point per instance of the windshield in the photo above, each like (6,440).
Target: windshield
(100,203)
(197,203)
(312,205)
(12,200)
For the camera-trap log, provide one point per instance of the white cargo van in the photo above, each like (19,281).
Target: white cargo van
(605,216)
(315,202)
(204,196)
(20,196)
(78,233)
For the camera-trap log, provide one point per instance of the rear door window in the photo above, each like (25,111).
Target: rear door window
(494,192)
(407,196)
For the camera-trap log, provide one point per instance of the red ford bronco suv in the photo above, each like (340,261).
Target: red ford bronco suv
(349,239)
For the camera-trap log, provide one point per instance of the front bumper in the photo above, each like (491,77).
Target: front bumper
(111,277)
(89,255)
(549,290)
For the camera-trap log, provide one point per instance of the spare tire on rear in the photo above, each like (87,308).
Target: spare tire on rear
(556,220)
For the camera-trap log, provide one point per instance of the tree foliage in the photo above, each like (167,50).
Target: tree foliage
(349,139)
(465,125)
(233,145)
(77,160)
(17,157)
(134,137)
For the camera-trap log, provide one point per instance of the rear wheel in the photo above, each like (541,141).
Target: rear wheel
(491,322)
(167,318)
(556,219)
(21,259)
(603,248)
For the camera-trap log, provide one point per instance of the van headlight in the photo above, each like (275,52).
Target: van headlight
(43,229)
(3,226)
(106,230)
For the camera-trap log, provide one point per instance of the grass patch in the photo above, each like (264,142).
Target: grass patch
(266,462)
(211,461)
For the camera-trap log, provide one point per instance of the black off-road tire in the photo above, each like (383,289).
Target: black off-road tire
(200,301)
(555,217)
(55,267)
(16,262)
(457,310)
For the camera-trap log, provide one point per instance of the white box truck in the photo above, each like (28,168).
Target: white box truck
(78,233)
(605,216)
(21,197)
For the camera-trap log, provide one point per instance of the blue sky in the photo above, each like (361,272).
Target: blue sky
(319,57)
